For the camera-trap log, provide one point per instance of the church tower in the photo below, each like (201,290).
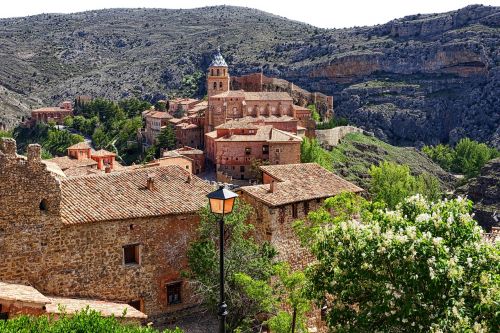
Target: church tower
(218,76)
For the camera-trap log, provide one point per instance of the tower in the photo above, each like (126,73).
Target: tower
(217,76)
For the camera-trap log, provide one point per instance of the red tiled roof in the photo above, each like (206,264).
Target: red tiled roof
(300,108)
(157,114)
(52,109)
(256,96)
(21,293)
(65,162)
(107,309)
(189,151)
(299,182)
(80,145)
(102,153)
(263,133)
(124,195)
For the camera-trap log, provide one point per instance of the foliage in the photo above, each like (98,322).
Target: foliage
(99,138)
(86,320)
(468,156)
(45,155)
(248,267)
(255,172)
(311,151)
(391,183)
(422,267)
(332,123)
(58,141)
(133,107)
(5,134)
(165,140)
(289,291)
(314,113)
(191,85)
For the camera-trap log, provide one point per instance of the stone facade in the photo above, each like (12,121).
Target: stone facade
(41,246)
(55,114)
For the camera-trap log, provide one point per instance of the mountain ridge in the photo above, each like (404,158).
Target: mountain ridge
(414,80)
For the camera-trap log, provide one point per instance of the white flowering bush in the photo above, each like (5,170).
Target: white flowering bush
(422,267)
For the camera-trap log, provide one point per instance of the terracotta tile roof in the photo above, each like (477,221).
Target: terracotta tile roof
(52,109)
(80,145)
(230,93)
(21,293)
(177,120)
(107,309)
(299,182)
(102,153)
(300,108)
(157,114)
(77,172)
(184,101)
(189,151)
(124,195)
(54,168)
(65,162)
(264,133)
(186,126)
(253,122)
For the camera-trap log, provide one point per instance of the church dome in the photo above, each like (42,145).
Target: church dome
(218,60)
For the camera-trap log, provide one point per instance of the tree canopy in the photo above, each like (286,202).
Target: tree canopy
(422,267)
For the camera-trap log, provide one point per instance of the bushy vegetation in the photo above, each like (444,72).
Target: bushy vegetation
(467,157)
(165,140)
(391,183)
(422,267)
(54,141)
(332,123)
(311,151)
(5,134)
(84,321)
(314,113)
(255,283)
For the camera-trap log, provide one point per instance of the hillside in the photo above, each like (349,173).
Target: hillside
(419,79)
(355,154)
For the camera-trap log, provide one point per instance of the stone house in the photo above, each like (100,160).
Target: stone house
(233,149)
(154,121)
(117,237)
(182,105)
(55,114)
(289,192)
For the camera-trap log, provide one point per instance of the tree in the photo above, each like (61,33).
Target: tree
(166,139)
(471,156)
(314,113)
(391,183)
(441,154)
(58,141)
(249,267)
(422,267)
(255,171)
(311,151)
(133,107)
(99,138)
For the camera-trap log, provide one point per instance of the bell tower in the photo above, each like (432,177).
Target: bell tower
(217,76)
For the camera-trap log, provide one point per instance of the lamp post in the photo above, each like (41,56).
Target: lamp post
(221,203)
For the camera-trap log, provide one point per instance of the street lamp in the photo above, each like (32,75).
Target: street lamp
(221,203)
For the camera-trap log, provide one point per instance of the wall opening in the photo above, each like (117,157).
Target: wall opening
(44,206)
(174,293)
(131,254)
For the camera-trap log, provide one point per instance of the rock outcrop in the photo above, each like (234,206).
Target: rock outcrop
(484,191)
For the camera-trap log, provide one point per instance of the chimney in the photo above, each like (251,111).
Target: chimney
(150,183)
(8,147)
(34,153)
(189,179)
(272,186)
(107,169)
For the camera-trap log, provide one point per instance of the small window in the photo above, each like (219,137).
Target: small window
(215,85)
(294,210)
(220,85)
(136,304)
(278,150)
(318,200)
(218,72)
(131,254)
(43,205)
(306,207)
(242,168)
(265,149)
(248,151)
(174,293)
(187,166)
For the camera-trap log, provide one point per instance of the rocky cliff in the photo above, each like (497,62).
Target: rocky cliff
(418,79)
(485,193)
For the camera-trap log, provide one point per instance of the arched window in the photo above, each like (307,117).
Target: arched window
(218,72)
(215,85)
(212,72)
(43,205)
(224,72)
(220,85)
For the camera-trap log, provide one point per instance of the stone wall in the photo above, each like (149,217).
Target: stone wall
(332,137)
(84,260)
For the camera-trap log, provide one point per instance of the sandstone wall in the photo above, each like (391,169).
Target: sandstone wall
(332,137)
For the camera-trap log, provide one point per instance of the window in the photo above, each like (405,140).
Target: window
(306,207)
(248,151)
(212,72)
(215,85)
(278,150)
(220,85)
(265,149)
(224,72)
(131,254)
(174,293)
(294,210)
(43,205)
(242,168)
(136,304)
(218,72)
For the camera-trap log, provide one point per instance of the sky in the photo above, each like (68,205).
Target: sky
(320,13)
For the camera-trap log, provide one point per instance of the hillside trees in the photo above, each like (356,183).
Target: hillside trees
(422,267)
(467,157)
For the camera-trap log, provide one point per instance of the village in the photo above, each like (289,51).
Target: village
(85,230)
